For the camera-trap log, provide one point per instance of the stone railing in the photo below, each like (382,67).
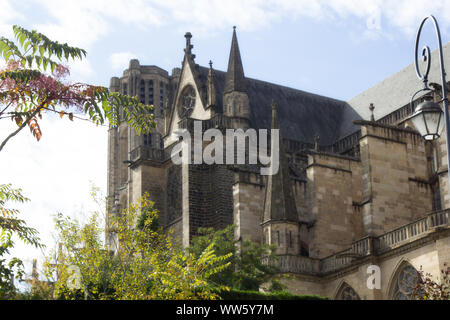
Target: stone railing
(412,230)
(218,121)
(295,264)
(358,249)
(148,153)
(346,145)
(298,264)
(366,246)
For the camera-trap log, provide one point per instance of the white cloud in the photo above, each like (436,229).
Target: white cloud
(81,70)
(120,60)
(83,22)
(206,16)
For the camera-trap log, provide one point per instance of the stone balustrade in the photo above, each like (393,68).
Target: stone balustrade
(148,153)
(365,247)
(409,232)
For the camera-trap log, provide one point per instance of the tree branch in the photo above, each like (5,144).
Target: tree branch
(7,106)
(35,112)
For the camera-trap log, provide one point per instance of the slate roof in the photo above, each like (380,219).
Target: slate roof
(302,114)
(395,91)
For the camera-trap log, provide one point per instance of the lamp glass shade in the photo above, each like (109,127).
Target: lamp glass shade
(428,121)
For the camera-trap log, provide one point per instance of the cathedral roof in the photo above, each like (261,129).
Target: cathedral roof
(302,114)
(395,91)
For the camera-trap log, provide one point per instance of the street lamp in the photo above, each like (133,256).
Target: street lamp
(427,118)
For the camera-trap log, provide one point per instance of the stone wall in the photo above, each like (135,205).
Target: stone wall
(395,177)
(248,205)
(331,193)
(153,180)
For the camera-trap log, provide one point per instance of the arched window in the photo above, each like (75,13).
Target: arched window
(150,92)
(161,97)
(142,91)
(147,140)
(405,282)
(347,293)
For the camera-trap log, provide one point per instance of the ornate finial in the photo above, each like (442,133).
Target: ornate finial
(234,28)
(316,142)
(371,108)
(273,105)
(189,46)
(210,64)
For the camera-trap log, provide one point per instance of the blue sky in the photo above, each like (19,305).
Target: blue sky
(336,48)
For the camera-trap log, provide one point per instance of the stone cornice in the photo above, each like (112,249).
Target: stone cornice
(386,126)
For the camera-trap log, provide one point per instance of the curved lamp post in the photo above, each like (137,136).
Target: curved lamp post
(427,117)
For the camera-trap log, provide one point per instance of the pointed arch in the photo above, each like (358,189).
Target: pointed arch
(403,281)
(346,292)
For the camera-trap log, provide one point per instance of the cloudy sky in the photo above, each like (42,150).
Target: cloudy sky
(337,48)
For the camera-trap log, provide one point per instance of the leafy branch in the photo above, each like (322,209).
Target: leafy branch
(33,83)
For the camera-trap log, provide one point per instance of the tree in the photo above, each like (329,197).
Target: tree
(27,90)
(246,271)
(11,225)
(146,265)
(428,289)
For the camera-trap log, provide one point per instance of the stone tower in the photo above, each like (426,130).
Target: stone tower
(152,85)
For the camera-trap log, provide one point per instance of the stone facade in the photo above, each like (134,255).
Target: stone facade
(352,192)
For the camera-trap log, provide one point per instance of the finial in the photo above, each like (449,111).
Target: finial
(234,28)
(210,64)
(273,105)
(188,37)
(316,142)
(371,108)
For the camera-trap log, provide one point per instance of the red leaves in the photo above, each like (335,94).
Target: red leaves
(35,129)
(62,113)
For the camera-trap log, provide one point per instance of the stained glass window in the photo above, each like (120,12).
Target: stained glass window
(347,293)
(405,283)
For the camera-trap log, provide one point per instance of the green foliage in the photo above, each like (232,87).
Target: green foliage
(37,48)
(145,216)
(246,271)
(236,294)
(146,265)
(10,225)
(7,270)
(39,291)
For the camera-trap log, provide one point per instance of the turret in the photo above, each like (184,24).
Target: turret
(280,218)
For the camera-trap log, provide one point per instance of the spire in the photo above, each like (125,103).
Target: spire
(235,80)
(211,85)
(279,203)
